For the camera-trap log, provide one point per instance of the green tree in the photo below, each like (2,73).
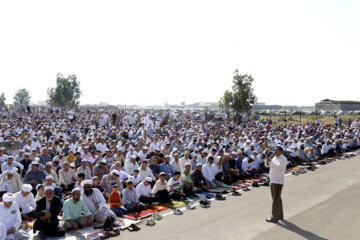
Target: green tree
(66,93)
(242,96)
(226,100)
(2,100)
(22,98)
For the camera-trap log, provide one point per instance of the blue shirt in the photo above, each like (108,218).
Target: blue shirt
(39,177)
(167,169)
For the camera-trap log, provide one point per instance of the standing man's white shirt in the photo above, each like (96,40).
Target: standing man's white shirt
(277,169)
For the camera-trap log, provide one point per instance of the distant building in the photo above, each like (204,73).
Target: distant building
(332,105)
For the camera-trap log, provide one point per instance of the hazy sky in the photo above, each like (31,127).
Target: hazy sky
(151,52)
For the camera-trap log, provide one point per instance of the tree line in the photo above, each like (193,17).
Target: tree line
(66,94)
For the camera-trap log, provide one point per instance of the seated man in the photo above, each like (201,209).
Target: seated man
(175,187)
(11,218)
(167,168)
(67,177)
(160,189)
(198,178)
(155,168)
(47,212)
(188,184)
(26,202)
(144,192)
(130,197)
(35,176)
(49,181)
(248,166)
(96,203)
(107,180)
(76,214)
(209,174)
(10,165)
(9,182)
(115,201)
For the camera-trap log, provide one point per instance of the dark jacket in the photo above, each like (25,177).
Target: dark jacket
(55,207)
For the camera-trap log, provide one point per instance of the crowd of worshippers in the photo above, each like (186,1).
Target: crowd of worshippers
(91,166)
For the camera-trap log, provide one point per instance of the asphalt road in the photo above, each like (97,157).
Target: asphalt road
(317,205)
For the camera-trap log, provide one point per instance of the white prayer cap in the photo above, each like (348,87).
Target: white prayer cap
(49,188)
(233,153)
(198,165)
(145,148)
(8,197)
(26,187)
(84,160)
(148,179)
(49,177)
(103,161)
(157,149)
(11,156)
(75,189)
(116,172)
(10,171)
(37,159)
(187,164)
(133,156)
(85,182)
(72,165)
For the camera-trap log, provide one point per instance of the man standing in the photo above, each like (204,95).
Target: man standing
(11,218)
(277,171)
(47,211)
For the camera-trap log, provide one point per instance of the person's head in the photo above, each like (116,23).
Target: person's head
(279,150)
(187,167)
(114,174)
(26,189)
(114,187)
(80,177)
(103,163)
(130,184)
(84,163)
(76,193)
(49,192)
(136,172)
(8,199)
(40,189)
(95,180)
(35,166)
(48,167)
(154,160)
(162,176)
(66,166)
(187,154)
(49,180)
(10,160)
(177,175)
(210,160)
(26,157)
(77,155)
(87,186)
(144,165)
(147,181)
(199,167)
(10,175)
(71,153)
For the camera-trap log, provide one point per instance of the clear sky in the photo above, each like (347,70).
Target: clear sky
(151,52)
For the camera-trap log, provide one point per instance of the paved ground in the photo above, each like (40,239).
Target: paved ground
(318,205)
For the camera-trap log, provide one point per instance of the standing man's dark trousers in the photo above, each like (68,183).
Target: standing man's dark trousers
(277,208)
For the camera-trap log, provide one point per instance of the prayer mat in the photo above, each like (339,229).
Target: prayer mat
(221,190)
(153,208)
(235,187)
(207,194)
(124,223)
(173,204)
(86,233)
(137,216)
